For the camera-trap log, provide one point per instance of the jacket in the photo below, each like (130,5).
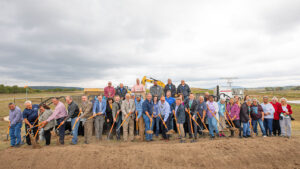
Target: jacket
(108,111)
(201,107)
(164,110)
(185,90)
(256,112)
(192,107)
(180,114)
(278,110)
(73,110)
(31,114)
(170,87)
(86,108)
(121,92)
(115,108)
(99,107)
(44,116)
(128,106)
(268,108)
(15,116)
(156,91)
(171,101)
(245,112)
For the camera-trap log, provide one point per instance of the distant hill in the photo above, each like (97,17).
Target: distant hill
(54,87)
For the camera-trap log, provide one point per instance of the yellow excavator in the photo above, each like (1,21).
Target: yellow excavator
(151,80)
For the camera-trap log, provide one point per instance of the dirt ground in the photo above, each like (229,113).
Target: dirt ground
(255,152)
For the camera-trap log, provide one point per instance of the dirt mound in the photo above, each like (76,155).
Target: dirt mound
(221,153)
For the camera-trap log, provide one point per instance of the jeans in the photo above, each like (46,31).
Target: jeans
(171,122)
(32,131)
(156,124)
(212,125)
(261,125)
(61,130)
(147,127)
(246,129)
(75,130)
(15,134)
(118,124)
(268,124)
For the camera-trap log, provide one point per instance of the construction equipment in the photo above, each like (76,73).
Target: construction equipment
(151,80)
(228,91)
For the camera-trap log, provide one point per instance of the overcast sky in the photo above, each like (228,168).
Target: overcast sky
(89,42)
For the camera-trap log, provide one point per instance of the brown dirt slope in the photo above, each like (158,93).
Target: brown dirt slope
(221,153)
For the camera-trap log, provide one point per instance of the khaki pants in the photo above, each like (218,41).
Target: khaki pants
(141,128)
(88,131)
(181,128)
(129,123)
(222,123)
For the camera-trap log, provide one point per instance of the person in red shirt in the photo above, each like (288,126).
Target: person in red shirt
(278,110)
(109,91)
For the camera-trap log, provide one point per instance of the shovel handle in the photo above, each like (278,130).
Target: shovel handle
(176,122)
(163,121)
(191,121)
(124,120)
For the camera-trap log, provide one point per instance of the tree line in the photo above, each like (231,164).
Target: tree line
(16,89)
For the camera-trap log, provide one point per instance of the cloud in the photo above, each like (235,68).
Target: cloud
(87,43)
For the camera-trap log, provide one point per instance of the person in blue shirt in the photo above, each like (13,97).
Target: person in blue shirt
(139,108)
(147,115)
(164,111)
(30,116)
(99,113)
(15,124)
(171,101)
(222,109)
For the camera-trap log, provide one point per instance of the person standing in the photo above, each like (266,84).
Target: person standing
(245,118)
(99,113)
(156,119)
(73,112)
(30,116)
(117,115)
(212,112)
(171,101)
(121,91)
(190,110)
(109,117)
(180,116)
(233,110)
(15,124)
(170,87)
(139,108)
(109,91)
(59,114)
(86,109)
(201,109)
(257,116)
(147,115)
(128,107)
(45,113)
(164,111)
(156,90)
(184,89)
(285,120)
(139,88)
(222,109)
(268,115)
(278,109)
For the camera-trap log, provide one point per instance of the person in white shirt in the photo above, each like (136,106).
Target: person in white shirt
(268,110)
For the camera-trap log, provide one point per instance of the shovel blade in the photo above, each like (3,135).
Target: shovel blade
(149,132)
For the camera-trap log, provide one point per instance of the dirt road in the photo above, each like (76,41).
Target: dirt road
(221,153)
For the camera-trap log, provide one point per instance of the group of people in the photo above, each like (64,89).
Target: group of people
(166,110)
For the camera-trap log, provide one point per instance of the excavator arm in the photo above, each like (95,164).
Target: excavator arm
(151,80)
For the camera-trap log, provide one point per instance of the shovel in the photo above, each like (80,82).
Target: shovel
(232,124)
(206,129)
(108,136)
(138,137)
(124,121)
(252,131)
(7,133)
(54,132)
(176,122)
(76,120)
(35,145)
(215,117)
(190,118)
(150,131)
